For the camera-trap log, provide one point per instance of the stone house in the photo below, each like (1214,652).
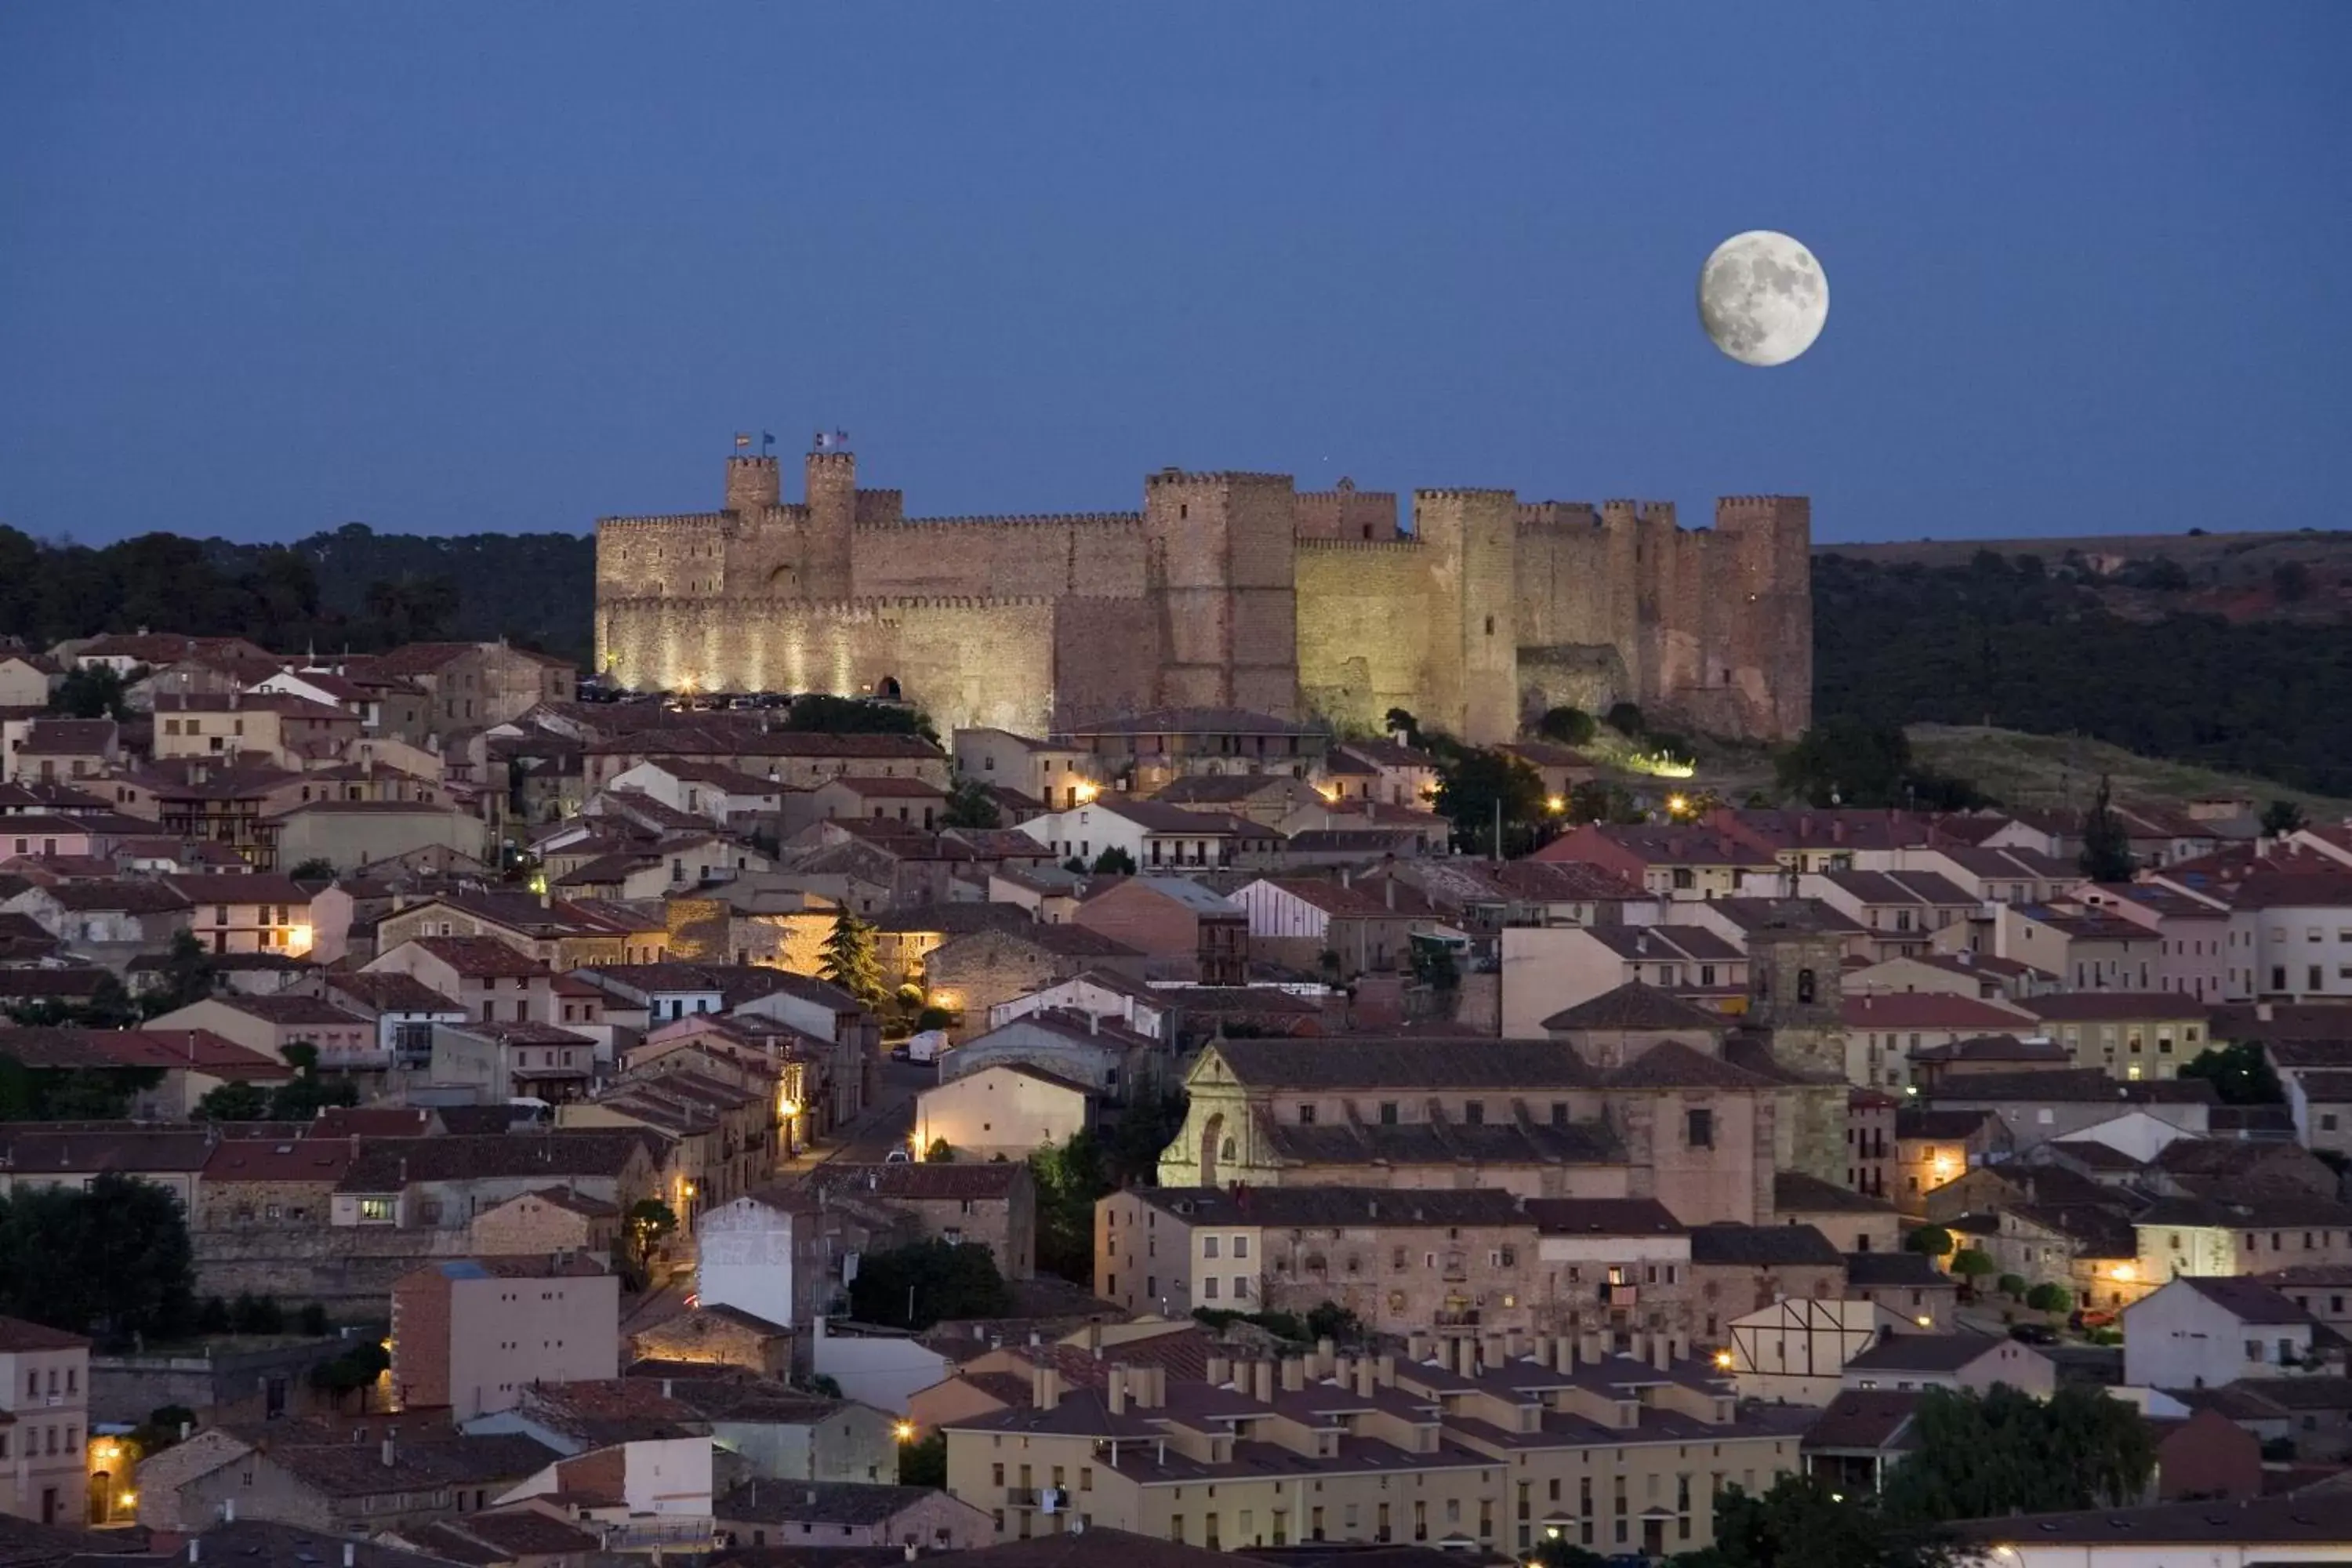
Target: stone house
(34,1155)
(1933,1147)
(1008,1109)
(1685,863)
(112,922)
(1617,1267)
(989,1206)
(1736,1269)
(546,1222)
(777,1254)
(255,1185)
(268,1023)
(471,686)
(44,1421)
(2249,1232)
(48,750)
(1407,1262)
(912,801)
(343,1488)
(401,1010)
(706,1342)
(1884,1028)
(1153,837)
(848,1514)
(26,679)
(906,937)
(259,913)
(442,1183)
(779,1434)
(488,980)
(1270,800)
(1853,1222)
(1907,1284)
(1295,921)
(1959,1361)
(474,1334)
(974,973)
(1551,969)
(1083,1047)
(288,731)
(1057,775)
(727,798)
(560,933)
(1184,931)
(507,1061)
(352,834)
(2127,1035)
(719,1146)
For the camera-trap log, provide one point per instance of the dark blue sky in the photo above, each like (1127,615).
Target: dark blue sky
(265,269)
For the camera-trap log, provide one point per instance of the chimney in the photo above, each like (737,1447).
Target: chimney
(351,1554)
(195,1549)
(1219,1371)
(389,1454)
(812,1497)
(1346,877)
(1115,1391)
(1367,1375)
(666,1383)
(1044,1387)
(1262,1381)
(1294,1375)
(228,1511)
(1563,1355)
(1094,1023)
(1662,1350)
(1094,1339)
(1388,890)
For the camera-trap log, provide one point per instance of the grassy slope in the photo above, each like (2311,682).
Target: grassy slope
(2025,769)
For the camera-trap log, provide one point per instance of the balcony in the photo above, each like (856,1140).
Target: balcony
(1465,1318)
(1620,1295)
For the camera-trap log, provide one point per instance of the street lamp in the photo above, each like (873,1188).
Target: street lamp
(905,1431)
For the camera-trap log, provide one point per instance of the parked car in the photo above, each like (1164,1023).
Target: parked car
(2033,1334)
(897,1157)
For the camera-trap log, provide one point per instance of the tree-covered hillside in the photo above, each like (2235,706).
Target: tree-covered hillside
(351,588)
(2028,645)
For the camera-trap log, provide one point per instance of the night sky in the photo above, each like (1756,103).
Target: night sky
(267,269)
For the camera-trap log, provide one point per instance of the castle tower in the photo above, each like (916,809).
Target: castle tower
(1473,635)
(1219,573)
(826,567)
(753,485)
(1771,539)
(1795,997)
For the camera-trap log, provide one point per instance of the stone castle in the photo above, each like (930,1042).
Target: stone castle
(1227,590)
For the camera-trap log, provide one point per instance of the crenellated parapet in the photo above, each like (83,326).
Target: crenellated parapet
(1034,520)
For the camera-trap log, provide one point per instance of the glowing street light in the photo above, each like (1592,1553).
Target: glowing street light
(905,1431)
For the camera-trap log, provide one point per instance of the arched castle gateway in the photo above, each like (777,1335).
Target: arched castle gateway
(1227,590)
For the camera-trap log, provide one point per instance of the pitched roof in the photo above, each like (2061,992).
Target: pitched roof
(479,957)
(2092,1006)
(2248,1300)
(19,1336)
(1794,1191)
(1865,1418)
(1923,1353)
(817,1502)
(921,1183)
(1373,1063)
(1339,1206)
(1604,1216)
(1896,1270)
(293,1160)
(1637,1006)
(1929,1010)
(387,1164)
(1767,1246)
(2073,1085)
(1671,1064)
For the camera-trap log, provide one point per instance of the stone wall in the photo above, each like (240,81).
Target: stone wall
(1101,556)
(347,1269)
(1363,618)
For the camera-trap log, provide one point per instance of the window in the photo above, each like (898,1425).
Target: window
(1209,1245)
(1241,1247)
(1388,1113)
(1307,1115)
(375,1208)
(1806,985)
(1699,1130)
(1475,1112)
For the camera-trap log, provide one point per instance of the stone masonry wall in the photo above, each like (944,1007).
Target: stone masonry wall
(1363,618)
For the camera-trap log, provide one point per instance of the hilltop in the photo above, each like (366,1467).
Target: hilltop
(2062,772)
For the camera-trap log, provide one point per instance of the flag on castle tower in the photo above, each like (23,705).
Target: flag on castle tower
(742,439)
(767,440)
(828,439)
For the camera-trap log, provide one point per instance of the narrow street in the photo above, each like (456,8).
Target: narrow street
(885,1126)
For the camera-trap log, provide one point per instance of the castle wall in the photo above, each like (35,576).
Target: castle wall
(1008,557)
(966,662)
(1227,590)
(1363,630)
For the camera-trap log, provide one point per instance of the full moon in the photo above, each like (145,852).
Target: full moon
(1762,298)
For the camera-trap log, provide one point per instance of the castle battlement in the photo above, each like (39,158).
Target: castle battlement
(1407,543)
(1038,520)
(1472,493)
(1184,477)
(668,520)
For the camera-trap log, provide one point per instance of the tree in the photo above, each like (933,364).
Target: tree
(2049,1298)
(1132,1147)
(1973,1264)
(849,959)
(2241,1074)
(314,1318)
(2106,842)
(1472,781)
(1595,800)
(1396,721)
(1802,1523)
(2005,1451)
(188,976)
(254,1314)
(939,1153)
(1845,761)
(315,869)
(1932,1239)
(970,805)
(647,1221)
(1557,1552)
(924,1461)
(2013,1286)
(90,691)
(1069,1178)
(1332,1321)
(354,1370)
(110,1260)
(1114,862)
(2281,817)
(1625,719)
(234,1102)
(1568,726)
(915,1286)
